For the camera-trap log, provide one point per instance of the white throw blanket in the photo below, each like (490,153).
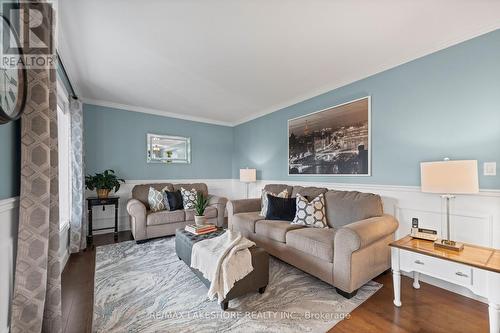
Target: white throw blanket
(223,260)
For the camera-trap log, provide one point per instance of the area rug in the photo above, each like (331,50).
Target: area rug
(146,288)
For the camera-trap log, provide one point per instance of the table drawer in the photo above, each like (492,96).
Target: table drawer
(439,268)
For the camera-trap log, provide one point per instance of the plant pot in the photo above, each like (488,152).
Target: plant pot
(103,193)
(200,220)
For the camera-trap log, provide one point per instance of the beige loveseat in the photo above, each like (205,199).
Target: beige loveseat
(146,224)
(350,253)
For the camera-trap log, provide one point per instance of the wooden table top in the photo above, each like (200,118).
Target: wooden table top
(472,255)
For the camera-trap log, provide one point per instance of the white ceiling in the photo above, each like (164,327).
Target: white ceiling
(231,61)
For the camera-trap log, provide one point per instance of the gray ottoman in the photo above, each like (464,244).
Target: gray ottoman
(257,280)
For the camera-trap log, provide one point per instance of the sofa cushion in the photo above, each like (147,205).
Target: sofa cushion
(264,202)
(311,213)
(174,200)
(344,207)
(275,230)
(155,200)
(199,187)
(309,192)
(165,217)
(210,213)
(245,221)
(140,192)
(189,198)
(280,208)
(313,241)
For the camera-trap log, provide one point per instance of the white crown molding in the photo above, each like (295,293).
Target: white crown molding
(156,112)
(9,204)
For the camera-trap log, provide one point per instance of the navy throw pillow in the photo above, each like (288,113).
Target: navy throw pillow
(280,208)
(174,200)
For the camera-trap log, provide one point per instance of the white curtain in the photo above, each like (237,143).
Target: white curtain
(78,226)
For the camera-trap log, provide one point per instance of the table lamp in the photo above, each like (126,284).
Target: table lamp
(449,178)
(248,176)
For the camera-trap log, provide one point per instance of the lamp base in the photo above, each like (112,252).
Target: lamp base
(448,245)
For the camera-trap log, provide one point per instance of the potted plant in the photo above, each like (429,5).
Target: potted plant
(103,183)
(199,207)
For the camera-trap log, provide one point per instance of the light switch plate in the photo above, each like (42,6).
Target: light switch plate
(490,168)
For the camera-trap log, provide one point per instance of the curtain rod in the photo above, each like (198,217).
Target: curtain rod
(59,60)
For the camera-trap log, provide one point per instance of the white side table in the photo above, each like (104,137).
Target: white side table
(475,268)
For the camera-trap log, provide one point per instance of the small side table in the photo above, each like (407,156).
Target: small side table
(476,268)
(91,202)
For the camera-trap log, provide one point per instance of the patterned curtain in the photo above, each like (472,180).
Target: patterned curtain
(36,303)
(77,224)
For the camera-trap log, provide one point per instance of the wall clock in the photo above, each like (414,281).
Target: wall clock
(13,82)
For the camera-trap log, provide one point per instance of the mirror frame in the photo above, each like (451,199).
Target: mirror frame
(186,140)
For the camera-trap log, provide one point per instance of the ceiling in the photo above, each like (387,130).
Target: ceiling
(227,62)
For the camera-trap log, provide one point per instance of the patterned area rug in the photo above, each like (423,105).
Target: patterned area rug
(146,288)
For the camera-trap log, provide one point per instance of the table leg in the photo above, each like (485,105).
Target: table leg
(396,276)
(396,281)
(494,311)
(416,285)
(90,238)
(116,222)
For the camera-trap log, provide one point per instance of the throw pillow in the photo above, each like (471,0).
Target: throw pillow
(282,194)
(174,200)
(188,198)
(155,200)
(311,213)
(280,208)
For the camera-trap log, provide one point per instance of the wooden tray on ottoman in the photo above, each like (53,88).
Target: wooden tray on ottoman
(257,280)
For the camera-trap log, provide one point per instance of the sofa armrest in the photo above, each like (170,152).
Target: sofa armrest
(361,251)
(137,211)
(241,206)
(220,204)
(360,234)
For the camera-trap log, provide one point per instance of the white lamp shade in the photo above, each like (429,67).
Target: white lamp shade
(449,177)
(248,175)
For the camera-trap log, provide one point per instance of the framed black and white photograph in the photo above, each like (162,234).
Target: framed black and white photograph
(333,141)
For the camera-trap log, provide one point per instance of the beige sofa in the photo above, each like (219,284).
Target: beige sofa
(350,253)
(146,224)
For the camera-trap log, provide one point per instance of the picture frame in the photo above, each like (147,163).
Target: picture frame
(334,141)
(168,149)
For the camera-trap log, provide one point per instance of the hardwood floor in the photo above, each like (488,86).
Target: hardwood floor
(429,309)
(78,286)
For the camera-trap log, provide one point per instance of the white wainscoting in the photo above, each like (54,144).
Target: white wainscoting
(8,240)
(475,218)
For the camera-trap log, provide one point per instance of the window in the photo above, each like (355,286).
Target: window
(64,143)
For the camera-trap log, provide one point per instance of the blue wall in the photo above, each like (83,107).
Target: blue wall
(9,159)
(116,139)
(446,104)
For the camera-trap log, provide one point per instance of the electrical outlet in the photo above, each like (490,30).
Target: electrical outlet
(414,222)
(490,168)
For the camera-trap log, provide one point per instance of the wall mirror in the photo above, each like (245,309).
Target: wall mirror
(168,149)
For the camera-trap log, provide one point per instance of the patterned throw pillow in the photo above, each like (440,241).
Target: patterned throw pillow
(155,200)
(311,213)
(188,198)
(264,203)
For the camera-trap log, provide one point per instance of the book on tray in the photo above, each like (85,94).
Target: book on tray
(200,229)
